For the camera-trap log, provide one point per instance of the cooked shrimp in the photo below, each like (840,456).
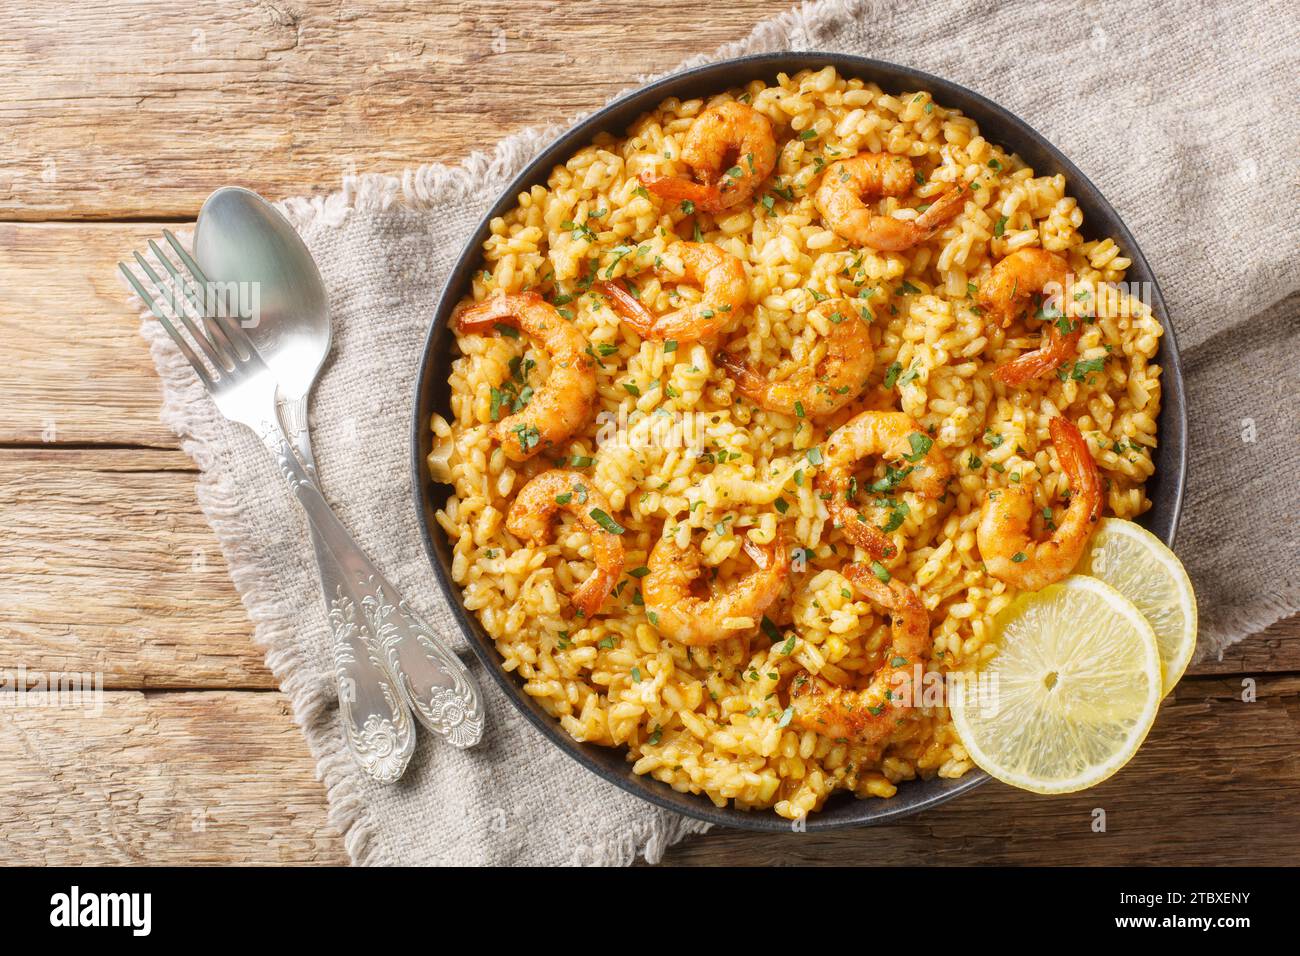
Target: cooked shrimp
(551,491)
(564,403)
(1010,284)
(1027,272)
(871,715)
(732,148)
(682,616)
(1005,292)
(814,390)
(1003,533)
(722,280)
(847,184)
(895,437)
(1058,347)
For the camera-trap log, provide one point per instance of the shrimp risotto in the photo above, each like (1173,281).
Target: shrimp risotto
(764,411)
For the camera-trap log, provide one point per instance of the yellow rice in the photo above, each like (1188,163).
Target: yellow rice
(713,720)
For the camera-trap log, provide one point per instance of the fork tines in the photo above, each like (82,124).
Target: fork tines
(222,342)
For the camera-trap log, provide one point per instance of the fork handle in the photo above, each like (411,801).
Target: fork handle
(376,720)
(431,679)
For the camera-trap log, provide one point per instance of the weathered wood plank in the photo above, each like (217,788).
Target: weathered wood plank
(224,777)
(1212,785)
(137,108)
(1275,649)
(75,369)
(107,565)
(200,777)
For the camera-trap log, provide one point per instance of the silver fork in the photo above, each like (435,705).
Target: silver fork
(375,715)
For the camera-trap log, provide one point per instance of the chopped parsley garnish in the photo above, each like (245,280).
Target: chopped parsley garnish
(921,445)
(893,478)
(528,436)
(606,522)
(619,252)
(880,571)
(898,511)
(1080,370)
(891,375)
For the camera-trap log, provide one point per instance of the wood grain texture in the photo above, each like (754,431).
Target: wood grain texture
(107,565)
(76,368)
(214,777)
(139,108)
(201,777)
(1210,786)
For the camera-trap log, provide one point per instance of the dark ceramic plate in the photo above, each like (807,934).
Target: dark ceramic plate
(432,394)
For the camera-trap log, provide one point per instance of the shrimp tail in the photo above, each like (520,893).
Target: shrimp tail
(1057,349)
(589,597)
(866,583)
(1078,465)
(628,307)
(482,317)
(941,211)
(676,189)
(748,381)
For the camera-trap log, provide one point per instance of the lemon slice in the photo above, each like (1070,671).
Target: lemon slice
(1071,694)
(1137,564)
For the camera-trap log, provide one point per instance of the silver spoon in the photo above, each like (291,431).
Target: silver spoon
(242,238)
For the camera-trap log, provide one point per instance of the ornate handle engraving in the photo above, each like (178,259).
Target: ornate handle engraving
(436,684)
(429,677)
(376,721)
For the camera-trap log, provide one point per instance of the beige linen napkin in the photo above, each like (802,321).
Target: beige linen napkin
(1182,115)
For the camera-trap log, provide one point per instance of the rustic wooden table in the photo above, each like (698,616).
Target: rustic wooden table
(121,115)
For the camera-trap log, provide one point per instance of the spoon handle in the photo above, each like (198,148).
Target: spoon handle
(432,679)
(376,719)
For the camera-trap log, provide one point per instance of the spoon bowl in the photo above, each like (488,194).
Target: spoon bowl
(241,238)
